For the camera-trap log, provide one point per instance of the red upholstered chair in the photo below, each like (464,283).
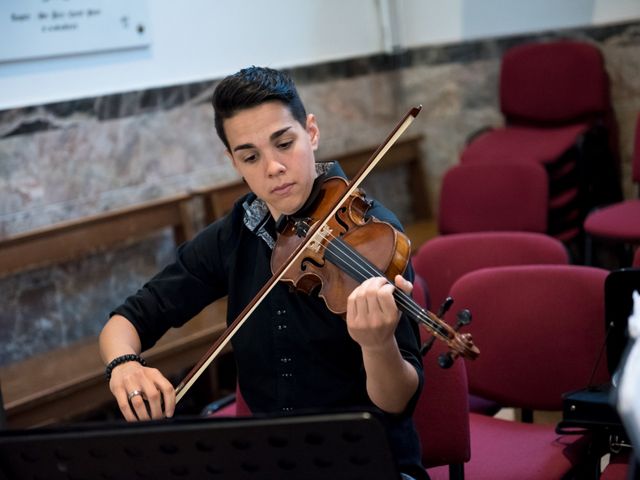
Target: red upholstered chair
(231,406)
(539,329)
(442,417)
(443,259)
(483,197)
(442,413)
(555,100)
(620,222)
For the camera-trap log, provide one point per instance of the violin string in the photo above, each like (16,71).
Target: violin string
(368,271)
(404,300)
(365,270)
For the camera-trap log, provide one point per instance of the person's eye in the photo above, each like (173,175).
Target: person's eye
(250,158)
(285,145)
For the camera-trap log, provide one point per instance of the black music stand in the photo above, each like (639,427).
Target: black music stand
(593,407)
(310,447)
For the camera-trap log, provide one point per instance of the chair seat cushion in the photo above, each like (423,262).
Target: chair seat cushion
(620,221)
(521,450)
(525,144)
(618,467)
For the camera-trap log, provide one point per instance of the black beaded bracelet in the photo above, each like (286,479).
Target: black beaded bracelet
(129,357)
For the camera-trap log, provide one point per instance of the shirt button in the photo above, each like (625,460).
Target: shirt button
(285,359)
(287,409)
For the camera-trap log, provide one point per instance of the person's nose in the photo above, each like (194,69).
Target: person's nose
(274,165)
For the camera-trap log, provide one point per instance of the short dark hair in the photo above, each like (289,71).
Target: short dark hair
(251,87)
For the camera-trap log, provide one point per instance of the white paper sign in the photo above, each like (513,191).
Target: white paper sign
(45,28)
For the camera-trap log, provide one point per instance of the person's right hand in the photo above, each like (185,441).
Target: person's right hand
(143,393)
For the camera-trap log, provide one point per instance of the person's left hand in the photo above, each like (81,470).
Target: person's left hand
(372,315)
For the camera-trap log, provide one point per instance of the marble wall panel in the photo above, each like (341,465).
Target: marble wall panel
(52,307)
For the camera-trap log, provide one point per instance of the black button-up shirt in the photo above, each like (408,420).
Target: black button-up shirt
(292,354)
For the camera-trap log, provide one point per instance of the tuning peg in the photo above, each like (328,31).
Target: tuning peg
(445,306)
(463,318)
(426,346)
(445,360)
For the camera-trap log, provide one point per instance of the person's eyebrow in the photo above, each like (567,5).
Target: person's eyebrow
(272,137)
(279,133)
(244,146)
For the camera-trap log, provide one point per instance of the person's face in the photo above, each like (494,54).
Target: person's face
(274,154)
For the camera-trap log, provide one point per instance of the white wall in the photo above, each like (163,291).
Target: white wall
(203,39)
(445,21)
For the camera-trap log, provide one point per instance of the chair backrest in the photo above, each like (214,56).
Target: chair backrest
(442,412)
(553,82)
(539,328)
(494,196)
(442,260)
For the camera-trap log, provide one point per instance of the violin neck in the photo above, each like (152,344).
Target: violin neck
(350,261)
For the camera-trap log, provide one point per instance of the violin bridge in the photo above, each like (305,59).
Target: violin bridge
(316,243)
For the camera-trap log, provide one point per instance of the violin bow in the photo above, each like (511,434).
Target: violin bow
(232,329)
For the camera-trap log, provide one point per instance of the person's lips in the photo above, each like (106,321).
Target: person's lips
(283,189)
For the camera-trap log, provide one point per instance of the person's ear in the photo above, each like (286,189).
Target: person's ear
(313,130)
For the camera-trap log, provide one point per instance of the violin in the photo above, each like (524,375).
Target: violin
(350,249)
(330,245)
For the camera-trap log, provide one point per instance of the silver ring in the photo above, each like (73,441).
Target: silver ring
(134,393)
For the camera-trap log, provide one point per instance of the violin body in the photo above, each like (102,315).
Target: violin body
(348,249)
(382,245)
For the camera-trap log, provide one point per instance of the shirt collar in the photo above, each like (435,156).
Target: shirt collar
(256,212)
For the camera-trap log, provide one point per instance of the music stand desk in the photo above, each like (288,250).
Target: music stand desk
(310,447)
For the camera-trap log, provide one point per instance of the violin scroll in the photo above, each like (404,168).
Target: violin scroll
(460,344)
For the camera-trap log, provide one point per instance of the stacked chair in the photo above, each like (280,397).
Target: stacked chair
(555,101)
(489,196)
(619,223)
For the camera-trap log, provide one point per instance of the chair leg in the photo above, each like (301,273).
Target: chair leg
(456,471)
(526,415)
(3,416)
(588,249)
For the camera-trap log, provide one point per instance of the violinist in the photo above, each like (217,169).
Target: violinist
(293,354)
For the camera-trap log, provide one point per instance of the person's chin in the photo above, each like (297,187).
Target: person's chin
(289,208)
